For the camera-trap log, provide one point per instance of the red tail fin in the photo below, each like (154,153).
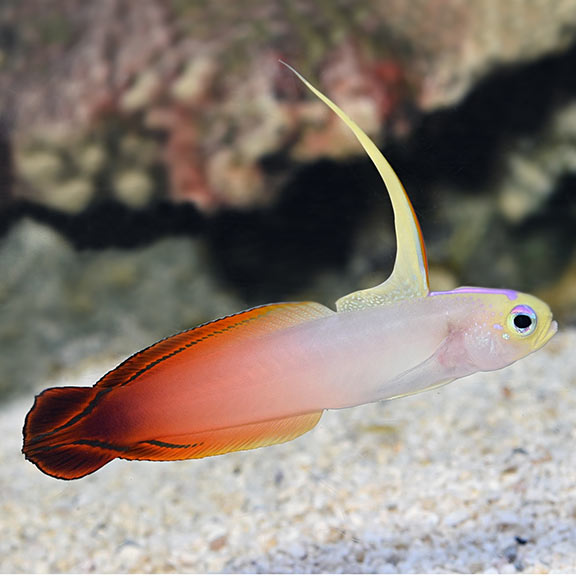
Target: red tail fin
(51,434)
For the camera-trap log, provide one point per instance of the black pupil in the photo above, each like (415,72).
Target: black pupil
(522,321)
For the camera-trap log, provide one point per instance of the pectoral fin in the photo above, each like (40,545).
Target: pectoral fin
(437,370)
(409,279)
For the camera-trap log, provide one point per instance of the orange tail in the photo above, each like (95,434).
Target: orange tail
(52,438)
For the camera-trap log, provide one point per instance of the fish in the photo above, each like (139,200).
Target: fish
(266,375)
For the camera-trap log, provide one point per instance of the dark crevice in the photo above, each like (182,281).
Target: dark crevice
(461,146)
(109,224)
(272,253)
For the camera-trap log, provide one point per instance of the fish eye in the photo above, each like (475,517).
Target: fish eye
(522,319)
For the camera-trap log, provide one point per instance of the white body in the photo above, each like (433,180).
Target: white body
(330,362)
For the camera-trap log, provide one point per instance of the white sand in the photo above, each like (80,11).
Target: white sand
(444,481)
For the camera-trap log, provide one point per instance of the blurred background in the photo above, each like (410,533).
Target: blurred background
(160,168)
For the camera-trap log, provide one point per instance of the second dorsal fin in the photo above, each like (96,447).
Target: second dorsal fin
(248,324)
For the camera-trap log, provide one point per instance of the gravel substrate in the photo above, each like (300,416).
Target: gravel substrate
(477,476)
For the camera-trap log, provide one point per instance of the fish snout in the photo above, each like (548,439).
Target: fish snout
(547,334)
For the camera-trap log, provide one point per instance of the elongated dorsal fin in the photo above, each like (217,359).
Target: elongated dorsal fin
(409,278)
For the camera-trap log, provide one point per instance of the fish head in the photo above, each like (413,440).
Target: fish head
(498,327)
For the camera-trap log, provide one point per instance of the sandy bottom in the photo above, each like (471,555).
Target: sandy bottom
(477,476)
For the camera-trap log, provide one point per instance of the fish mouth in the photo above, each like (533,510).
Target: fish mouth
(545,336)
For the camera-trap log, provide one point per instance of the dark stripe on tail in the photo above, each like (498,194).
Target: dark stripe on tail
(53,433)
(169,445)
(70,461)
(56,409)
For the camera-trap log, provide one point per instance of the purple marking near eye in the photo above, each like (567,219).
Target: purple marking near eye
(511,294)
(498,327)
(523,309)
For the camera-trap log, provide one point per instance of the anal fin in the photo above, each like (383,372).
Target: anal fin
(223,440)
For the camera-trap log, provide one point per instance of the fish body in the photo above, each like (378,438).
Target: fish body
(266,375)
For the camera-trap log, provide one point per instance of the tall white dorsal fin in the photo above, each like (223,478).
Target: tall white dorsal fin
(409,278)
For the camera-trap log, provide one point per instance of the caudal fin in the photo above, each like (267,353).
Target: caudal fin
(52,434)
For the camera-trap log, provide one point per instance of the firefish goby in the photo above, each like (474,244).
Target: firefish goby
(264,376)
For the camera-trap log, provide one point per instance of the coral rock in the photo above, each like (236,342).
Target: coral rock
(97,69)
